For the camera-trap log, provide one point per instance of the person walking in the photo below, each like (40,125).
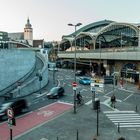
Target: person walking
(113,100)
(121,138)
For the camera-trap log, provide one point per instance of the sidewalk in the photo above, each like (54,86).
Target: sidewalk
(65,126)
(85,121)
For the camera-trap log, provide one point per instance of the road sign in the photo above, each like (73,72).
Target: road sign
(10,113)
(10,123)
(74,84)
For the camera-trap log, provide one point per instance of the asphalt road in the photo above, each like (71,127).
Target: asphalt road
(125,115)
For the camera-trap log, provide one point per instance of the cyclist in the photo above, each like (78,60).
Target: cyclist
(79,98)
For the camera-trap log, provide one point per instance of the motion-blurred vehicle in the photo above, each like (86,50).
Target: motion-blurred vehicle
(85,81)
(55,92)
(18,106)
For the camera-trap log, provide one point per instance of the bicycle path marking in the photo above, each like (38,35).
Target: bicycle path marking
(34,119)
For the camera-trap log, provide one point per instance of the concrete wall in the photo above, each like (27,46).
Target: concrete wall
(34,84)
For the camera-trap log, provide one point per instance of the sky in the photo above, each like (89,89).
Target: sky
(50,18)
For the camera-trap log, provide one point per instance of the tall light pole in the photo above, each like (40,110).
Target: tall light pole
(75,25)
(100,58)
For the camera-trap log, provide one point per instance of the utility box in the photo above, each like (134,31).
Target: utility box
(97,104)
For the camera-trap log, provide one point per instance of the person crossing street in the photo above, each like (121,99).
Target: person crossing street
(113,100)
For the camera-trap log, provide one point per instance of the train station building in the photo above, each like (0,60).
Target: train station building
(112,46)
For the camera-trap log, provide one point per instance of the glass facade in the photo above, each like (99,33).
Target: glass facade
(104,35)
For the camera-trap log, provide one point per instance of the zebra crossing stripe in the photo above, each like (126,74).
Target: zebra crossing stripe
(124,118)
(125,121)
(112,112)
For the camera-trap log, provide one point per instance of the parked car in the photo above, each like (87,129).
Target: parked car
(17,105)
(85,81)
(55,92)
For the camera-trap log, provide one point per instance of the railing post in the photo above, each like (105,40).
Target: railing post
(77,135)
(136,108)
(118,127)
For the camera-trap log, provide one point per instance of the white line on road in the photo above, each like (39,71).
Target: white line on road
(127,97)
(119,111)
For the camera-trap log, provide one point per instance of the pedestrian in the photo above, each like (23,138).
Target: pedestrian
(121,82)
(113,100)
(94,138)
(121,138)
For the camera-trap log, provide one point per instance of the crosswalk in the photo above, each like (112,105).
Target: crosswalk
(125,119)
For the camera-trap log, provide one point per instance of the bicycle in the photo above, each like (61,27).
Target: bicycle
(80,102)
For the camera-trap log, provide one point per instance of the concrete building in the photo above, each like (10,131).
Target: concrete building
(3,39)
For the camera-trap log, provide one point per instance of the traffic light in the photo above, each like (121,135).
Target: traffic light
(40,78)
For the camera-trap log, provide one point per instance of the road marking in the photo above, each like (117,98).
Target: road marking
(36,118)
(127,97)
(88,103)
(45,113)
(126,119)
(126,90)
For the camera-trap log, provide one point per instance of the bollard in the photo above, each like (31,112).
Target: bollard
(77,135)
(118,127)
(57,138)
(136,109)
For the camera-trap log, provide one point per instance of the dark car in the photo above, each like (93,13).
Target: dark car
(80,73)
(85,81)
(17,105)
(108,79)
(56,92)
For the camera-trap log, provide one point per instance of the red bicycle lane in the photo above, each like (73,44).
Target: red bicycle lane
(33,119)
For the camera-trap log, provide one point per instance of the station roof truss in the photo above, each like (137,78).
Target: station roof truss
(108,33)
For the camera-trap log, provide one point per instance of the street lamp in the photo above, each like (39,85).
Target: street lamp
(75,25)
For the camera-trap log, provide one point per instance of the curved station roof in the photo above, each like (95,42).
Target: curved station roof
(102,34)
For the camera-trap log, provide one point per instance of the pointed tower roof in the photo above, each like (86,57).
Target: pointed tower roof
(28,25)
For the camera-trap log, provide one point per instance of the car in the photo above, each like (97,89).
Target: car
(53,69)
(84,81)
(17,105)
(108,79)
(80,73)
(55,92)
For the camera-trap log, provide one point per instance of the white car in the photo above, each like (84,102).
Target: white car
(53,69)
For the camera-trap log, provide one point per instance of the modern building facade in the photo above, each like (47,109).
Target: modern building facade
(3,39)
(16,36)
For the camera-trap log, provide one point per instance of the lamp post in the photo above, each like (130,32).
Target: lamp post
(75,25)
(121,39)
(100,59)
